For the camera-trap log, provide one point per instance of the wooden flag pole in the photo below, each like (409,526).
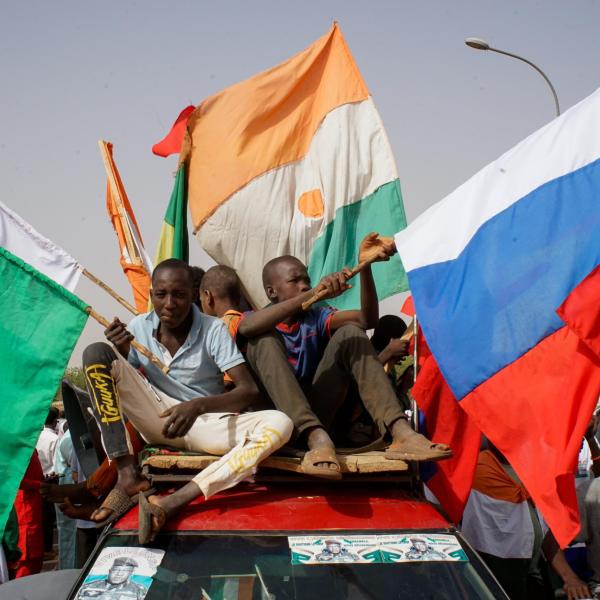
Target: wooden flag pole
(357,269)
(141,349)
(112,292)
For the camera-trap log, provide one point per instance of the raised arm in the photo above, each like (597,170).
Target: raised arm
(180,418)
(265,319)
(372,249)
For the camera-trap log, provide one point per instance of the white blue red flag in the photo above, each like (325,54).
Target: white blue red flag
(488,267)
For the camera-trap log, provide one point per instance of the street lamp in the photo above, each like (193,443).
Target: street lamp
(479,44)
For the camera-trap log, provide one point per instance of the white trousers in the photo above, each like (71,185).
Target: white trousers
(242,440)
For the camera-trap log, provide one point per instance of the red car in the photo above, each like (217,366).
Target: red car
(292,540)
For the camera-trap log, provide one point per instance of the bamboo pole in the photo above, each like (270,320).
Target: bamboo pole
(141,349)
(108,289)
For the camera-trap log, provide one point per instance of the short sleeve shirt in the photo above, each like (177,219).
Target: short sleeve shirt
(305,340)
(196,369)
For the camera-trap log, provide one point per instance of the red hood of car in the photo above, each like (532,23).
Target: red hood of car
(296,507)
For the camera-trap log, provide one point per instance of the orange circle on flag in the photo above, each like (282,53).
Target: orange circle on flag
(310,204)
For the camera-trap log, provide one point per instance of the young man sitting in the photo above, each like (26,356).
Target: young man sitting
(306,360)
(188,408)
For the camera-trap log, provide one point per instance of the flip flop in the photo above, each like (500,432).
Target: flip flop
(321,455)
(148,510)
(119,502)
(417,449)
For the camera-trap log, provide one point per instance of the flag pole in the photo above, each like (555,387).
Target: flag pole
(112,181)
(108,289)
(415,408)
(141,349)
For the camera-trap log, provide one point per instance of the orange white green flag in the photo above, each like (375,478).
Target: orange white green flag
(295,160)
(135,262)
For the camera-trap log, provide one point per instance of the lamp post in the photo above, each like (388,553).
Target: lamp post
(479,44)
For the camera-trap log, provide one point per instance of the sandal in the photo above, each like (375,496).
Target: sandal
(417,448)
(321,455)
(119,503)
(147,510)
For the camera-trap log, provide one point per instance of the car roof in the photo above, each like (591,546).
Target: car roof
(301,507)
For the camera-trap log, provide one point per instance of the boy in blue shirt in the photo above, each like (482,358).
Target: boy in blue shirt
(307,359)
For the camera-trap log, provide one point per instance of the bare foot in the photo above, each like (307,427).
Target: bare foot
(317,438)
(407,444)
(131,485)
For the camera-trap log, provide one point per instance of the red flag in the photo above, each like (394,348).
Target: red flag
(444,421)
(408,308)
(540,405)
(171,143)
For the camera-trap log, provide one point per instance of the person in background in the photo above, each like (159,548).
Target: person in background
(28,506)
(46,447)
(66,526)
(587,485)
(392,353)
(9,549)
(502,524)
(87,533)
(197,275)
(47,442)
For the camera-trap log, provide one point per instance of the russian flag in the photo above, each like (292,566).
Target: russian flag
(489,266)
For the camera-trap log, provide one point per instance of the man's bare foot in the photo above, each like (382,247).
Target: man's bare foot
(131,483)
(316,439)
(76,492)
(407,444)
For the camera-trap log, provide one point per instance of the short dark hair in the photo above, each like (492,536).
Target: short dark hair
(388,327)
(52,416)
(268,269)
(174,264)
(222,282)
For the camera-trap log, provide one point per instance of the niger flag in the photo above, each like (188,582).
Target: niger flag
(295,160)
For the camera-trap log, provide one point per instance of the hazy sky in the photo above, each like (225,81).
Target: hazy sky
(75,72)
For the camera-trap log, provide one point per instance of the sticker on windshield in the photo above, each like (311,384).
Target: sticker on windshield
(420,547)
(318,550)
(121,573)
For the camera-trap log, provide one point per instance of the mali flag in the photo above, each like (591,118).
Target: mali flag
(173,241)
(295,160)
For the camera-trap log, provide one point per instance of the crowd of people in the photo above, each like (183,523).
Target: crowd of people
(240,385)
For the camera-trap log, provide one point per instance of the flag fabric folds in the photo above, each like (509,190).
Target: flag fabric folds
(171,143)
(20,238)
(442,419)
(295,160)
(488,268)
(42,324)
(134,260)
(173,240)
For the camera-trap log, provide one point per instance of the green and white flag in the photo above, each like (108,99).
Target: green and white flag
(41,323)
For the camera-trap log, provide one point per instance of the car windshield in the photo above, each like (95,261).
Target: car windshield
(259,567)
